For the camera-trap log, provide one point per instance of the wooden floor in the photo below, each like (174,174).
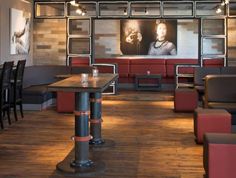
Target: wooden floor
(151,141)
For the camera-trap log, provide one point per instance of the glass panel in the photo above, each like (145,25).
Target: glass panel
(142,9)
(178,9)
(213,27)
(79,46)
(209,9)
(213,46)
(89,9)
(79,27)
(115,9)
(49,10)
(232,8)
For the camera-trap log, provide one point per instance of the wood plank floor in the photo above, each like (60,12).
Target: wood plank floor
(151,141)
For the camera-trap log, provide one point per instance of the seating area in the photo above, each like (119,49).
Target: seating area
(129,67)
(118,89)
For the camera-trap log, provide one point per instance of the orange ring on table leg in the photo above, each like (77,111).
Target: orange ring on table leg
(81,113)
(96,100)
(95,121)
(82,139)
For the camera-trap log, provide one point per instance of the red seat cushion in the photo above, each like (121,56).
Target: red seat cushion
(65,101)
(185,100)
(211,121)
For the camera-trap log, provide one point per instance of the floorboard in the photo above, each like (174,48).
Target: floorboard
(151,140)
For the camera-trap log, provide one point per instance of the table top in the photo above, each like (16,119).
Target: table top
(74,84)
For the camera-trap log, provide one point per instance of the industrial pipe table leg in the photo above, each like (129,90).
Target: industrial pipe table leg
(96,122)
(78,162)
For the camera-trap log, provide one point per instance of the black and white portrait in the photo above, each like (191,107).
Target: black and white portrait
(20,32)
(148,37)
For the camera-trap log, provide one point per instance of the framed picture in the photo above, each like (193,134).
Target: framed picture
(148,37)
(19,31)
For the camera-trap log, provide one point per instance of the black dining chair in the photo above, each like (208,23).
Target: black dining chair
(17,85)
(5,90)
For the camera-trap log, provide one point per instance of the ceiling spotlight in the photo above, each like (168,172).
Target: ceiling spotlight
(125,11)
(218,10)
(74,3)
(145,11)
(79,11)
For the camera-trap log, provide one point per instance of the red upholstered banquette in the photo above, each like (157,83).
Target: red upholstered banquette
(129,67)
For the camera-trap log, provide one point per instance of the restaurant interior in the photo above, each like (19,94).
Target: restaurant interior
(118,89)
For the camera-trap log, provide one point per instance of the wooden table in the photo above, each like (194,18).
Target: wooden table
(144,86)
(78,162)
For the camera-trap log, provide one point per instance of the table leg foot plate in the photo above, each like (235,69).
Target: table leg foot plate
(66,167)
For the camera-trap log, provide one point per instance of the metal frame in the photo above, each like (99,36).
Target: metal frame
(81,17)
(209,2)
(115,71)
(178,75)
(213,18)
(129,4)
(82,36)
(177,2)
(114,2)
(68,48)
(49,17)
(145,2)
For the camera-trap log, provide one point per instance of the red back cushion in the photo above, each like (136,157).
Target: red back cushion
(79,61)
(141,66)
(170,66)
(123,65)
(213,62)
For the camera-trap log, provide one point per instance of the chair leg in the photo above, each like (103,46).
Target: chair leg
(15,113)
(8,115)
(21,110)
(1,120)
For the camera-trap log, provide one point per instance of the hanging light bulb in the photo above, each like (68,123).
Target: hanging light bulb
(222,3)
(226,1)
(74,3)
(125,11)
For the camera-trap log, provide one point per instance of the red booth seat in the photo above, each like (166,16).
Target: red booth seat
(65,101)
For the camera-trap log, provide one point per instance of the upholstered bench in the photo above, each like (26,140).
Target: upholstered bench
(185,99)
(219,155)
(211,120)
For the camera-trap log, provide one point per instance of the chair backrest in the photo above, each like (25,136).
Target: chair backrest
(19,73)
(201,72)
(6,74)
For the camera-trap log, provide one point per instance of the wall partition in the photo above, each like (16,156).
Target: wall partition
(81,19)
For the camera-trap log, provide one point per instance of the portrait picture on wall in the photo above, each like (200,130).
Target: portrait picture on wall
(148,37)
(19,31)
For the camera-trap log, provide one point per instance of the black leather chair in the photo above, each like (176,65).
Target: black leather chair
(17,85)
(5,90)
